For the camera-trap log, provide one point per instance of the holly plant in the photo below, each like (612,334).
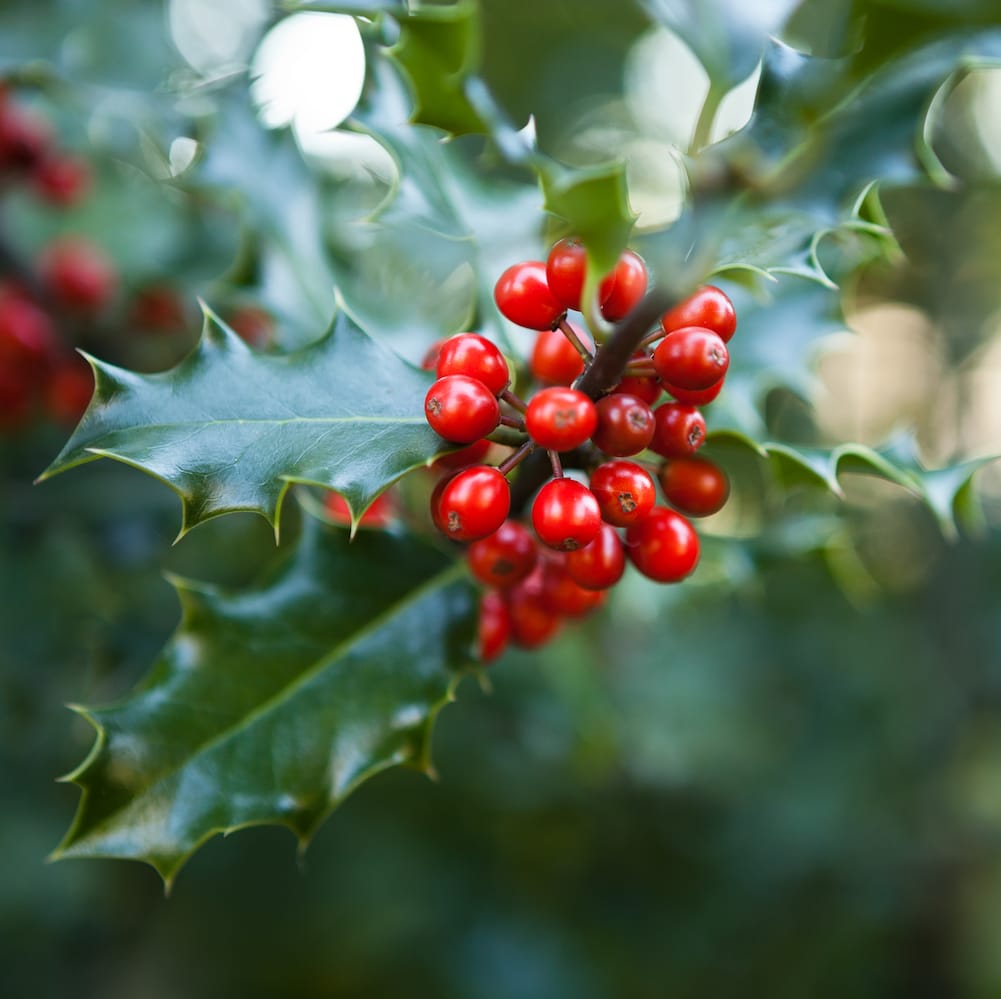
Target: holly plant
(550,324)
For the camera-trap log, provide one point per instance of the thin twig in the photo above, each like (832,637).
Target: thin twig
(568,331)
(514,460)
(512,400)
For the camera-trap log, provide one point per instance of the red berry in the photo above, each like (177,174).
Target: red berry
(691,358)
(566,267)
(61,180)
(555,360)
(28,343)
(532,622)
(566,515)
(69,390)
(695,397)
(430,359)
(78,274)
(471,454)
(695,485)
(625,425)
(679,430)
(158,308)
(24,139)
(643,387)
(461,409)
(708,307)
(494,629)
(563,595)
(473,503)
(475,356)
(600,564)
(560,419)
(504,557)
(523,296)
(380,515)
(624,490)
(663,545)
(253,324)
(621,290)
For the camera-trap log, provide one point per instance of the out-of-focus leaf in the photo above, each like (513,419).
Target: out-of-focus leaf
(272,704)
(230,429)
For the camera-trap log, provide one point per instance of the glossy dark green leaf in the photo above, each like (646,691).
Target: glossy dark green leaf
(272,704)
(230,428)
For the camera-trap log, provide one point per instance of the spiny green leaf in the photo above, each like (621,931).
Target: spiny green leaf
(229,428)
(439,49)
(271,705)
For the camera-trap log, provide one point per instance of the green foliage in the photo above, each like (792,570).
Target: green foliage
(271,704)
(231,429)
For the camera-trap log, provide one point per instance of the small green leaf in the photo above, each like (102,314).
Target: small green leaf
(229,428)
(271,705)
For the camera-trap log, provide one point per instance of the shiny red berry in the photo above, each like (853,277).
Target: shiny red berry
(679,430)
(555,360)
(708,307)
(532,622)
(691,358)
(560,419)
(647,388)
(566,268)
(461,409)
(695,397)
(503,558)
(78,274)
(566,515)
(563,594)
(522,295)
(625,425)
(695,485)
(621,291)
(473,503)
(624,490)
(663,545)
(494,629)
(475,356)
(600,564)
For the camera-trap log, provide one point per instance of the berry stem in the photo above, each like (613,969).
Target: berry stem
(557,465)
(512,421)
(657,334)
(512,400)
(515,459)
(640,369)
(568,331)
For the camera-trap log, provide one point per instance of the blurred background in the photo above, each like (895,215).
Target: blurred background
(782,778)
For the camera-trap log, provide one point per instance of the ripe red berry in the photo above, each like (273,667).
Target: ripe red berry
(473,503)
(560,418)
(566,267)
(78,274)
(532,622)
(663,545)
(461,409)
(69,390)
(691,358)
(621,290)
(565,515)
(695,485)
(475,356)
(600,564)
(679,430)
(624,490)
(430,359)
(695,397)
(625,425)
(643,387)
(708,307)
(563,595)
(503,558)
(555,360)
(254,325)
(61,180)
(494,629)
(380,515)
(523,296)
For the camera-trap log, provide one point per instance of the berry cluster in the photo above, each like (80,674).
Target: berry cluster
(582,534)
(69,294)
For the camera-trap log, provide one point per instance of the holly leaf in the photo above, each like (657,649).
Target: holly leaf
(230,428)
(272,704)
